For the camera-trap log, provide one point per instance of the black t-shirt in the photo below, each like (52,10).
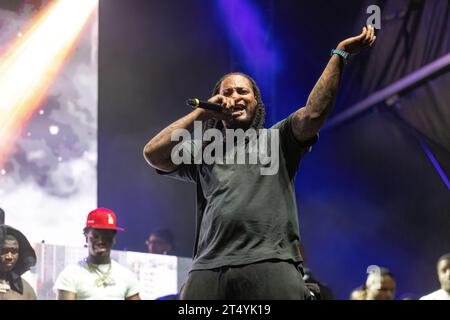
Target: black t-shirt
(244,216)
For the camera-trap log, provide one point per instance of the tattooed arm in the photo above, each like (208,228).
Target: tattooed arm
(308,120)
(158,150)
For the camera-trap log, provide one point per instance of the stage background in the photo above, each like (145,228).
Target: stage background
(48,181)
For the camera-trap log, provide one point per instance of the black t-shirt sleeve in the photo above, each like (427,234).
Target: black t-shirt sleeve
(292,149)
(184,172)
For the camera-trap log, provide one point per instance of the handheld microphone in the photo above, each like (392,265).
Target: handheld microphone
(196,103)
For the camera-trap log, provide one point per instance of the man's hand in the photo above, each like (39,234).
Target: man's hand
(158,151)
(356,44)
(228,111)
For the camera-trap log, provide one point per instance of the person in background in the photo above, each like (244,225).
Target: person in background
(380,284)
(160,241)
(443,272)
(98,277)
(16,257)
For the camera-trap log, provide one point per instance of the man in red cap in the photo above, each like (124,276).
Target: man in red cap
(97,277)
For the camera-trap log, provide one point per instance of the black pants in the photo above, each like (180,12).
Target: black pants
(266,280)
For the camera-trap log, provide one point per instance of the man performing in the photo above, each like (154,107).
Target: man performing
(16,257)
(247,235)
(98,277)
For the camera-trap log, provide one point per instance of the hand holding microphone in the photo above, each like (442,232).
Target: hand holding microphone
(223,108)
(196,103)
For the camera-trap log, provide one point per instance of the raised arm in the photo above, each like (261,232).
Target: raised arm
(308,120)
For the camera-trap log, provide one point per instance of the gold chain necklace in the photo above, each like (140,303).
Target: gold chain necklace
(103,277)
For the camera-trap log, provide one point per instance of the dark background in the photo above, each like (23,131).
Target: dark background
(367,194)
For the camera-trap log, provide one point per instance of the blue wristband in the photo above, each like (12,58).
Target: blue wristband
(342,53)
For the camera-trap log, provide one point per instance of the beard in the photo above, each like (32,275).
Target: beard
(238,123)
(245,121)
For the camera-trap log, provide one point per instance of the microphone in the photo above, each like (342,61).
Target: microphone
(196,103)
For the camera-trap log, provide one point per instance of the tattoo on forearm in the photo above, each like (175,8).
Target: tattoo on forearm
(324,92)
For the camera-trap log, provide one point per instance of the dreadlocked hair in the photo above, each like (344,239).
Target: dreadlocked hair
(260,112)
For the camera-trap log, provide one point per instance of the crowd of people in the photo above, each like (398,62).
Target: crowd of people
(381,284)
(99,277)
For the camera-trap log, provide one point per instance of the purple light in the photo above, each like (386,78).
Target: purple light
(249,34)
(435,164)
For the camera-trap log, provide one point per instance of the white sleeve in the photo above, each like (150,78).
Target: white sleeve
(67,280)
(430,296)
(133,284)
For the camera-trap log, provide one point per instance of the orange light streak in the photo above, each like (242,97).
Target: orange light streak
(30,66)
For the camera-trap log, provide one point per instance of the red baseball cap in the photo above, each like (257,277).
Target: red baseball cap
(102,218)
